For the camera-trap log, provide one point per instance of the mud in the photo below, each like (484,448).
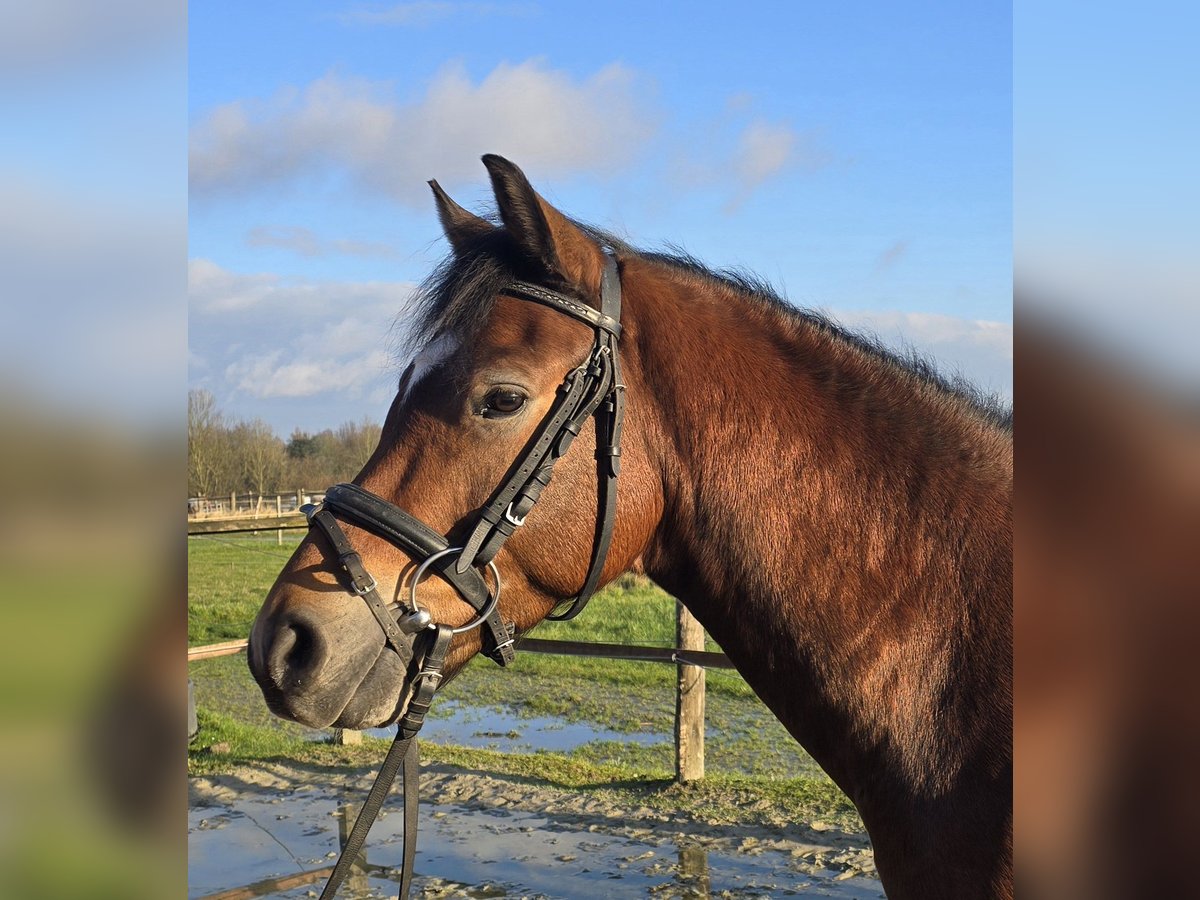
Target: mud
(486,835)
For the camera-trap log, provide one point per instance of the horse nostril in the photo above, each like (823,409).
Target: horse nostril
(295,653)
(299,656)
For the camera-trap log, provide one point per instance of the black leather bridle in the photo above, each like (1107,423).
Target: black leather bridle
(593,389)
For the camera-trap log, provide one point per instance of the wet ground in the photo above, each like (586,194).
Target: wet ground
(499,728)
(492,836)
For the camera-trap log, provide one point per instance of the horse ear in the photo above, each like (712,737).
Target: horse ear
(546,236)
(462,228)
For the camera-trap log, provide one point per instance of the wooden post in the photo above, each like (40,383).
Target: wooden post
(233,503)
(299,498)
(346,736)
(689,700)
(278,505)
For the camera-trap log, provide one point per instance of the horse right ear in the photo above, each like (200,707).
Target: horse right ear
(546,236)
(462,228)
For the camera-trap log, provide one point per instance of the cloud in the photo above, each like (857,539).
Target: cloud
(764,149)
(978,349)
(427,12)
(307,243)
(542,117)
(265,336)
(760,151)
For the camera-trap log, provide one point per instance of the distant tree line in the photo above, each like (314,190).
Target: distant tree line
(246,457)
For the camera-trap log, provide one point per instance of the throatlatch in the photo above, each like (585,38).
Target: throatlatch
(593,389)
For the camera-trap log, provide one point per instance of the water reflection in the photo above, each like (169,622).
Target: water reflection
(356,881)
(499,728)
(283,844)
(693,871)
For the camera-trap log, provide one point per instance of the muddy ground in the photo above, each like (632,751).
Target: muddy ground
(485,835)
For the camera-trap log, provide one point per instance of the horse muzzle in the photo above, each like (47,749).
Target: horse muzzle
(320,669)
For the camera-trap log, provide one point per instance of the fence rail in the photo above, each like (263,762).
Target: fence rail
(250,505)
(705,659)
(689,698)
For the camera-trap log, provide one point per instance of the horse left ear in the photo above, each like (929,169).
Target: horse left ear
(545,235)
(462,228)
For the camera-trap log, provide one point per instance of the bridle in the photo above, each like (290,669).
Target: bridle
(592,389)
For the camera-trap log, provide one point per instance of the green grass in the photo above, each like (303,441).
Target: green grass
(228,579)
(229,576)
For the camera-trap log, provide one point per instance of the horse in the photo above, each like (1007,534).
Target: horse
(837,516)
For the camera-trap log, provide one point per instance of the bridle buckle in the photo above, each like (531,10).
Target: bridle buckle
(512,518)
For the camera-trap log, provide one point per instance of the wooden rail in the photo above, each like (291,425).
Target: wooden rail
(702,658)
(244,524)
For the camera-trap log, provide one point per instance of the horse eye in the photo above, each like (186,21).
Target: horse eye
(502,402)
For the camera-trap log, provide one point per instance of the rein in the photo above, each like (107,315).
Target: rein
(594,388)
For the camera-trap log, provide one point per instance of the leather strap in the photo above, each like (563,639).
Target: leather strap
(602,318)
(371,512)
(403,752)
(360,580)
(585,389)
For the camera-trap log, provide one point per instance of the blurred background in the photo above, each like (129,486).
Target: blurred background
(93,280)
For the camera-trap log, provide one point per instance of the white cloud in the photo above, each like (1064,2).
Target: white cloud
(264,336)
(760,150)
(978,349)
(545,118)
(764,148)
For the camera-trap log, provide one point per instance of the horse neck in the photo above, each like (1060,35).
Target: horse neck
(842,528)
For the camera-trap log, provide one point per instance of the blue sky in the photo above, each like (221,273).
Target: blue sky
(859,157)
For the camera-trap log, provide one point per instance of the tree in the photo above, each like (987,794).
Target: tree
(260,455)
(205,433)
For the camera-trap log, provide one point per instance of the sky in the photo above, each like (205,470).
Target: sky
(859,157)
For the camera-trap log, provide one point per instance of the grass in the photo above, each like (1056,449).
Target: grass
(230,575)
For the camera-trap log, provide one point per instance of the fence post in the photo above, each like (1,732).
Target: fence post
(346,736)
(689,700)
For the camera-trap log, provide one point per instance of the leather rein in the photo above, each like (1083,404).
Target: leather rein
(593,389)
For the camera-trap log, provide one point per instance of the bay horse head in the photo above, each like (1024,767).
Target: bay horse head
(436,518)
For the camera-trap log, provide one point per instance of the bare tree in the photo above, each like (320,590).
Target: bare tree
(205,439)
(358,441)
(261,455)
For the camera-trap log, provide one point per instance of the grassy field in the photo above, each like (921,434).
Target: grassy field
(230,575)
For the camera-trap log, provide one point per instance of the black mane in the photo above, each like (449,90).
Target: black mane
(458,295)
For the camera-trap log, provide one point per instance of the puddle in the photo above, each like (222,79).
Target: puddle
(498,728)
(293,839)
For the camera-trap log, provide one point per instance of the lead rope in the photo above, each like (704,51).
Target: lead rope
(402,754)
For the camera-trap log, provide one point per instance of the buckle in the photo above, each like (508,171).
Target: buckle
(512,518)
(363,591)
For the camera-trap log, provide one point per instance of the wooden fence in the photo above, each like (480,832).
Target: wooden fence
(689,657)
(250,505)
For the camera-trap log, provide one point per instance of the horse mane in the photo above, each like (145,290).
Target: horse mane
(458,296)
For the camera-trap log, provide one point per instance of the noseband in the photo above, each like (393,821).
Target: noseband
(594,388)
